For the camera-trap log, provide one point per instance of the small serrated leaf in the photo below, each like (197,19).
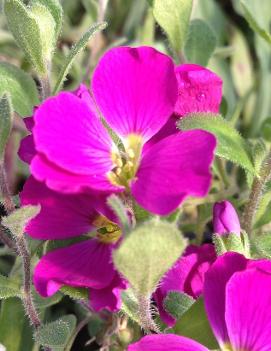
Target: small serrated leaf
(6,119)
(176,303)
(230,144)
(75,50)
(173,16)
(20,86)
(200,42)
(56,334)
(143,255)
(18,219)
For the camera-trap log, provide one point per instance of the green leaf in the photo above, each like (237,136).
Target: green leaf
(20,86)
(130,305)
(200,42)
(194,324)
(34,31)
(42,303)
(262,244)
(15,331)
(231,242)
(91,7)
(230,144)
(255,14)
(147,254)
(6,119)
(76,49)
(56,11)
(173,16)
(176,303)
(266,129)
(75,293)
(56,334)
(18,219)
(119,209)
(9,287)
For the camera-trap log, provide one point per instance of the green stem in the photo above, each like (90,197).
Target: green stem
(255,194)
(4,189)
(145,315)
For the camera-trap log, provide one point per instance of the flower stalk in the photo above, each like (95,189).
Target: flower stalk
(255,194)
(145,315)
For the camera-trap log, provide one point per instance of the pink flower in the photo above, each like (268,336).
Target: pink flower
(187,276)
(199,90)
(136,91)
(85,264)
(225,218)
(237,294)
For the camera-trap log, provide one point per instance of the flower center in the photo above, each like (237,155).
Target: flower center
(108,232)
(126,162)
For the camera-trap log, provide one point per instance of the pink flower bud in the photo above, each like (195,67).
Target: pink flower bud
(225,218)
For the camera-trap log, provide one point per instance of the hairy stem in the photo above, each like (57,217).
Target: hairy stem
(27,298)
(45,84)
(4,189)
(145,315)
(255,194)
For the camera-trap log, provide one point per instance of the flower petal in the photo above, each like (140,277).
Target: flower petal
(166,342)
(248,313)
(136,90)
(187,276)
(62,216)
(171,170)
(68,133)
(27,149)
(108,298)
(215,283)
(199,90)
(59,179)
(86,264)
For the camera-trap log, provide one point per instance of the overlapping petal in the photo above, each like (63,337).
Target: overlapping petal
(173,169)
(135,89)
(166,342)
(86,264)
(199,90)
(186,276)
(62,216)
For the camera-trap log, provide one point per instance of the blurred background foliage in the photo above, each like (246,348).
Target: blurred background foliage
(218,37)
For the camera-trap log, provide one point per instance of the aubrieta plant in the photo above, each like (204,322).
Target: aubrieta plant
(135,175)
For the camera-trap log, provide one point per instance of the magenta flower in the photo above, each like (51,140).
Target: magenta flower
(187,276)
(237,294)
(225,218)
(85,264)
(135,90)
(199,90)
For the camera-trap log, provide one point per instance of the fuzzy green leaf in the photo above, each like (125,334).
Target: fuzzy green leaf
(148,253)
(200,42)
(194,324)
(76,49)
(18,219)
(42,303)
(20,86)
(262,244)
(34,31)
(56,11)
(56,334)
(118,207)
(9,287)
(75,293)
(173,16)
(230,144)
(176,303)
(15,331)
(6,118)
(130,305)
(255,14)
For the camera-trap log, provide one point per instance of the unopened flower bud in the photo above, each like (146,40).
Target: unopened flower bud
(225,218)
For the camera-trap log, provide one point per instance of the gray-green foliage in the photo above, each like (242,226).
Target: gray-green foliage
(9,287)
(6,119)
(200,42)
(75,50)
(148,253)
(176,303)
(173,16)
(21,88)
(34,30)
(119,209)
(130,305)
(56,334)
(18,219)
(230,144)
